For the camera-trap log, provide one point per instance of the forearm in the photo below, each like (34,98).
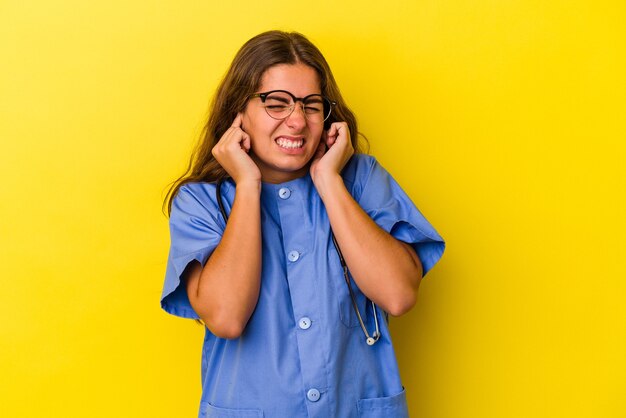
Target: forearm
(224,293)
(386,270)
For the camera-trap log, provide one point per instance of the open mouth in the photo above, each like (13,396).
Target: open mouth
(289,143)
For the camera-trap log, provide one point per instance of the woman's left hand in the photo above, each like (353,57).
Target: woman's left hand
(333,152)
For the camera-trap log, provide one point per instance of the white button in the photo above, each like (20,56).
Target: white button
(304,322)
(313,395)
(293,255)
(284,193)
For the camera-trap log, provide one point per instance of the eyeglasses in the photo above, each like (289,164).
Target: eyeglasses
(279,104)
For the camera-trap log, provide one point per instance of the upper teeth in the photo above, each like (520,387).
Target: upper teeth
(289,143)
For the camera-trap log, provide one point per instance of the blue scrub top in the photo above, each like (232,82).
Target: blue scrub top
(303,353)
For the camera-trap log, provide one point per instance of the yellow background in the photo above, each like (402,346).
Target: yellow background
(504,120)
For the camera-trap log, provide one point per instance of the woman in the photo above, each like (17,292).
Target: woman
(288,334)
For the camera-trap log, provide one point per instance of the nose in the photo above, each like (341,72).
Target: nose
(297,118)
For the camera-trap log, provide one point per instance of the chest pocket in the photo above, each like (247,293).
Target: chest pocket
(392,406)
(346,310)
(209,411)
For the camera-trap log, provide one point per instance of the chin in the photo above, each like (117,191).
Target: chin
(283,172)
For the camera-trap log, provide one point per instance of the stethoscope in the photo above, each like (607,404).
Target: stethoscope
(370,340)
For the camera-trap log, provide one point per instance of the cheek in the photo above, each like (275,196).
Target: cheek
(257,125)
(317,140)
(317,134)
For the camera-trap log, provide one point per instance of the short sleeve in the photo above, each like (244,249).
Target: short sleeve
(388,205)
(195,230)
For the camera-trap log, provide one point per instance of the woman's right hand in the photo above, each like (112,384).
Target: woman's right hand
(231,152)
(225,291)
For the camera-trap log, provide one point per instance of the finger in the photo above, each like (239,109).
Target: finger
(245,143)
(343,132)
(341,129)
(333,130)
(237,121)
(234,134)
(331,135)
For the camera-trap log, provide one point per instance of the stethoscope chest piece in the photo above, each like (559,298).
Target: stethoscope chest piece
(375,336)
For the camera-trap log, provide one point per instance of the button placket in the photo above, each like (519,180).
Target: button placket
(297,241)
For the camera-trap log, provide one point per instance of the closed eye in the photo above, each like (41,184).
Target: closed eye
(277,107)
(313,109)
(313,105)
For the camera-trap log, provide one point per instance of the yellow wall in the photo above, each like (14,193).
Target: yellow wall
(503,119)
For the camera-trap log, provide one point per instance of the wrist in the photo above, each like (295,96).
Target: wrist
(248,187)
(327,184)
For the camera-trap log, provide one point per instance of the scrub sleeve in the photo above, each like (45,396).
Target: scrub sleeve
(196,228)
(390,207)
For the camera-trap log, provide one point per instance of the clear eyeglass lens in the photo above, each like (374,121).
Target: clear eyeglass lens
(280,105)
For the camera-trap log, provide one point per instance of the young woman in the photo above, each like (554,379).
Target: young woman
(292,247)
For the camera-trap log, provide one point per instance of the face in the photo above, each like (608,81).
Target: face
(282,149)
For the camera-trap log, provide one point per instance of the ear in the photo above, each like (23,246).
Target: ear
(244,120)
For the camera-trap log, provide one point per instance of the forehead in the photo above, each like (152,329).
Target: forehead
(299,79)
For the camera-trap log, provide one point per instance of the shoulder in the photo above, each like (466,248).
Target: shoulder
(359,162)
(358,172)
(359,167)
(196,197)
(198,191)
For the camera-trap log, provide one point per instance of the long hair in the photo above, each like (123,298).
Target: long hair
(242,80)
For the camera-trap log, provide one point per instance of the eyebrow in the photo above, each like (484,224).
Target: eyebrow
(315,99)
